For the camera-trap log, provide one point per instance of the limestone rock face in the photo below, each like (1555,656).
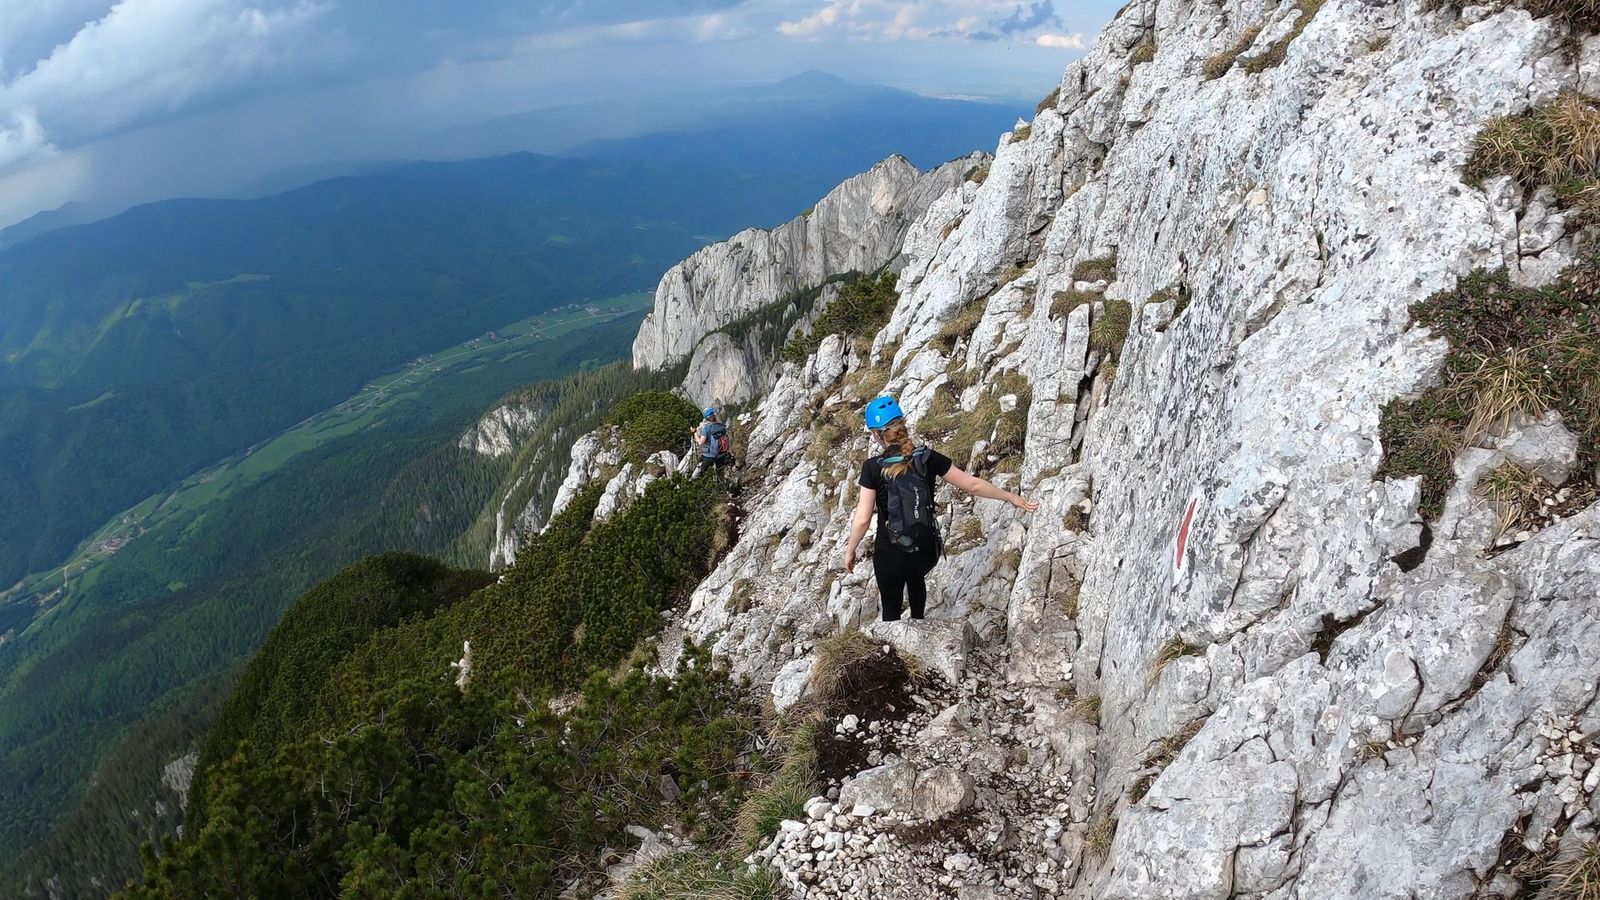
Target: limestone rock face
(502,430)
(1245,666)
(858,227)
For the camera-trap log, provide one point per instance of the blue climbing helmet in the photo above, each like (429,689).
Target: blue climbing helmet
(882,411)
(711,411)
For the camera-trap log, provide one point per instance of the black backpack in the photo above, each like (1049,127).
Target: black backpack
(910,504)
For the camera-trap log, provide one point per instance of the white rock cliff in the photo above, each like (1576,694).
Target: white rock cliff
(1223,681)
(857,227)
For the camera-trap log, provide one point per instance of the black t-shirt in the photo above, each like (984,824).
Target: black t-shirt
(872,477)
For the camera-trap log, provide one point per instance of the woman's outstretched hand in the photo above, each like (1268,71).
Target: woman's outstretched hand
(849,559)
(1023,503)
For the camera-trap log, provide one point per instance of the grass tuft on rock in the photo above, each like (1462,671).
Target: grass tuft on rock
(1582,16)
(1514,351)
(693,875)
(1021,133)
(1555,145)
(1574,875)
(1049,101)
(1143,52)
(1218,66)
(978,174)
(1096,269)
(1097,842)
(1110,329)
(1062,303)
(1086,709)
(1174,648)
(1517,495)
(784,794)
(959,327)
(1274,55)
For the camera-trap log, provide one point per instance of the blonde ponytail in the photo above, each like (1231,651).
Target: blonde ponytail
(897,438)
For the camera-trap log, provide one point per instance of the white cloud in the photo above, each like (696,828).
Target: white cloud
(901,20)
(147,58)
(22,138)
(816,24)
(1060,41)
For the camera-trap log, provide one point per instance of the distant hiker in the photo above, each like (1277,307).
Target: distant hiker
(715,443)
(898,485)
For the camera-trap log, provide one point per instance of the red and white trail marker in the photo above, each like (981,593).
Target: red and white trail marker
(1179,556)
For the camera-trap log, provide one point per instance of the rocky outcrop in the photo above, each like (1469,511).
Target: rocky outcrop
(857,227)
(503,429)
(1235,664)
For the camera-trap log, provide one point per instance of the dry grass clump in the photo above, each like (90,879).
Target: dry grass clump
(1086,709)
(1582,15)
(1049,101)
(1218,66)
(1273,56)
(964,537)
(1173,648)
(1110,329)
(742,597)
(1021,133)
(1514,351)
(959,327)
(702,876)
(1101,267)
(1062,303)
(1097,843)
(1517,495)
(961,379)
(1556,145)
(978,174)
(1068,598)
(837,654)
(1572,876)
(1143,52)
(784,795)
(1379,43)
(1168,748)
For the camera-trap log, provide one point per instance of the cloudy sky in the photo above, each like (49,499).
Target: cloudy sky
(118,102)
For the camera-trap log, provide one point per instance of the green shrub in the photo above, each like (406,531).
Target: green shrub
(288,675)
(862,308)
(1218,66)
(434,792)
(1513,351)
(654,420)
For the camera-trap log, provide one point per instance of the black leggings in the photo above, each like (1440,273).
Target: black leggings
(900,573)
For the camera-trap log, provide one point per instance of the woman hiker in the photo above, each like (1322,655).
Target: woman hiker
(898,485)
(714,442)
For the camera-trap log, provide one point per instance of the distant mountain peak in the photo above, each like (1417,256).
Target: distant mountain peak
(814,78)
